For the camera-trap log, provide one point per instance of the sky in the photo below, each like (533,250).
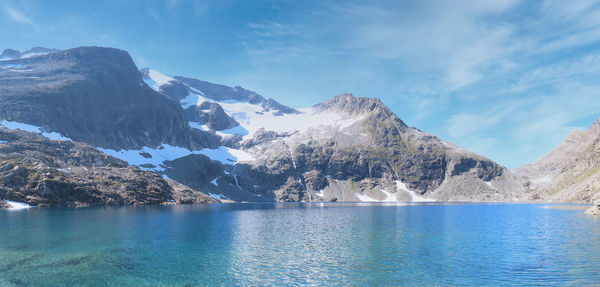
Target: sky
(508,79)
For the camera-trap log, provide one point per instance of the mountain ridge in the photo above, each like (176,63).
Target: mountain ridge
(234,144)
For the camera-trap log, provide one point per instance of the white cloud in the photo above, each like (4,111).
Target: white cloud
(18,16)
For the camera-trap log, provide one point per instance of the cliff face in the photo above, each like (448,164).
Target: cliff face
(95,95)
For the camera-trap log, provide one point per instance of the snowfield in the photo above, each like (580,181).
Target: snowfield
(253,118)
(156,156)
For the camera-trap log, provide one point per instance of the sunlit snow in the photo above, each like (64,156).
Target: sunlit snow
(402,187)
(17,205)
(253,117)
(156,79)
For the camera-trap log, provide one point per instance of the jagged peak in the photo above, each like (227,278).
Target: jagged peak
(351,104)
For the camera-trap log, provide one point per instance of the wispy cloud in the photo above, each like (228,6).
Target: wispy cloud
(500,76)
(18,16)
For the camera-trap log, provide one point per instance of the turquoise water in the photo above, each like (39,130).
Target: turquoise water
(338,244)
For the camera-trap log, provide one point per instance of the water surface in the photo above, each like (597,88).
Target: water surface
(333,244)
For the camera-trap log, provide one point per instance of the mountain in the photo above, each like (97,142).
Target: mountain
(231,143)
(94,95)
(347,148)
(570,172)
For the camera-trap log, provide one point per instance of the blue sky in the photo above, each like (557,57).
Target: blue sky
(508,79)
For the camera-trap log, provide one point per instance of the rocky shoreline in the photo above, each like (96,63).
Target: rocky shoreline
(594,210)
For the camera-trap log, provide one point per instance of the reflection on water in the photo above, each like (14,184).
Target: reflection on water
(304,243)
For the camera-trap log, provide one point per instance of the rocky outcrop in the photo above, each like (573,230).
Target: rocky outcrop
(94,95)
(594,210)
(45,173)
(211,114)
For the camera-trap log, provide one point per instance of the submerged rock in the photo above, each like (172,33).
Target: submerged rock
(594,210)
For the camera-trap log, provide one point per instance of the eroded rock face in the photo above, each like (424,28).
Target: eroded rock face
(45,173)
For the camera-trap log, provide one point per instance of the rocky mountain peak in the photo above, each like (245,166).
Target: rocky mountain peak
(351,104)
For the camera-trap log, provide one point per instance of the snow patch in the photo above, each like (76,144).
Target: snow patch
(237,130)
(218,196)
(34,129)
(156,79)
(17,205)
(253,117)
(165,152)
(365,198)
(415,198)
(196,125)
(320,193)
(489,184)
(389,197)
(29,55)
(542,180)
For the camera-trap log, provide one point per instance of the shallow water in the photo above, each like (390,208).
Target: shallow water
(339,244)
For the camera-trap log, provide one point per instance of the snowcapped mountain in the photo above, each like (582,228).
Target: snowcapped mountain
(234,144)
(347,148)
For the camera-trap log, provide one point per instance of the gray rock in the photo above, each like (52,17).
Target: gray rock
(46,173)
(211,114)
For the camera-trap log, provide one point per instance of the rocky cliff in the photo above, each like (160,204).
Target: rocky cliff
(94,95)
(43,172)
